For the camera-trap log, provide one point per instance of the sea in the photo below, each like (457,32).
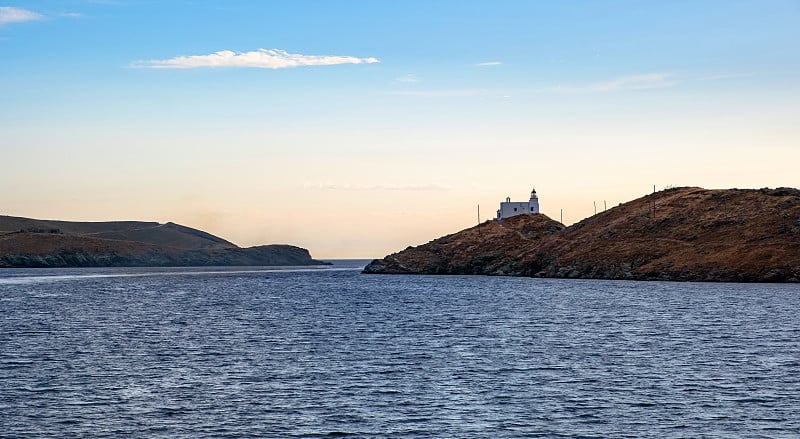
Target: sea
(299,352)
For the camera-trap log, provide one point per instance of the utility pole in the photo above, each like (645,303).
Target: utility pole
(605,207)
(562,216)
(480,233)
(654,201)
(595,207)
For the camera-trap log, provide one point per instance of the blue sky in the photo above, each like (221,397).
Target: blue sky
(357,128)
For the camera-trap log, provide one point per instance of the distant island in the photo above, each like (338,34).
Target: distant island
(678,234)
(29,243)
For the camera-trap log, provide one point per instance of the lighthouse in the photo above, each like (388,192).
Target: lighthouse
(533,202)
(510,208)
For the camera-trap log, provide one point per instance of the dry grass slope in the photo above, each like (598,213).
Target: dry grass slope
(169,234)
(693,234)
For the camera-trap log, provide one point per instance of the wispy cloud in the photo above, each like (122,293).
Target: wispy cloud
(410,78)
(71,14)
(488,64)
(16,15)
(636,82)
(723,76)
(451,93)
(377,187)
(261,59)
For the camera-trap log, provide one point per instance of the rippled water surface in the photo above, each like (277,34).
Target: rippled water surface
(331,352)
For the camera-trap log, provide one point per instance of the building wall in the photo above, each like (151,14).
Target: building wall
(514,208)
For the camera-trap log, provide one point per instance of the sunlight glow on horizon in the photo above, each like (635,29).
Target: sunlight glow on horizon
(398,136)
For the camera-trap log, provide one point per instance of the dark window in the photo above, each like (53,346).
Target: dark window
(515,209)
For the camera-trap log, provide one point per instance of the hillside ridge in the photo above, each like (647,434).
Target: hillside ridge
(170,234)
(694,234)
(27,242)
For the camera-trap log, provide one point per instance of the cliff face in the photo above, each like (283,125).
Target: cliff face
(695,234)
(131,244)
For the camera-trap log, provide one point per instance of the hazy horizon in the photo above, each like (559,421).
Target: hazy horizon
(355,129)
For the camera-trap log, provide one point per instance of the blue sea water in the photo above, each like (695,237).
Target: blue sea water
(195,353)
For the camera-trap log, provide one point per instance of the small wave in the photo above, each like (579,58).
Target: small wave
(34,279)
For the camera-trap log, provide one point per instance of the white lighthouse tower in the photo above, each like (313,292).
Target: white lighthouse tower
(510,208)
(533,202)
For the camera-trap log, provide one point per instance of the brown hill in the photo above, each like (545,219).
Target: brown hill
(695,234)
(28,242)
(169,234)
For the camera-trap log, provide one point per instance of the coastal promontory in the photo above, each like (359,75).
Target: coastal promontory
(678,234)
(26,242)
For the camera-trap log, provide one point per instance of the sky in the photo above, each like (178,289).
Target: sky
(357,128)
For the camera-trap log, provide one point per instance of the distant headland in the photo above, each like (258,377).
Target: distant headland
(26,242)
(678,234)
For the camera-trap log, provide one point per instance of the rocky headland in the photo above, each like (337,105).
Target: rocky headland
(679,234)
(26,242)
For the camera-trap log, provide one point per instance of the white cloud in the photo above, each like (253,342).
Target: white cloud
(376,187)
(262,59)
(636,82)
(17,15)
(488,63)
(71,14)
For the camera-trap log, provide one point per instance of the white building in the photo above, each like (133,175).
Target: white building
(510,208)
